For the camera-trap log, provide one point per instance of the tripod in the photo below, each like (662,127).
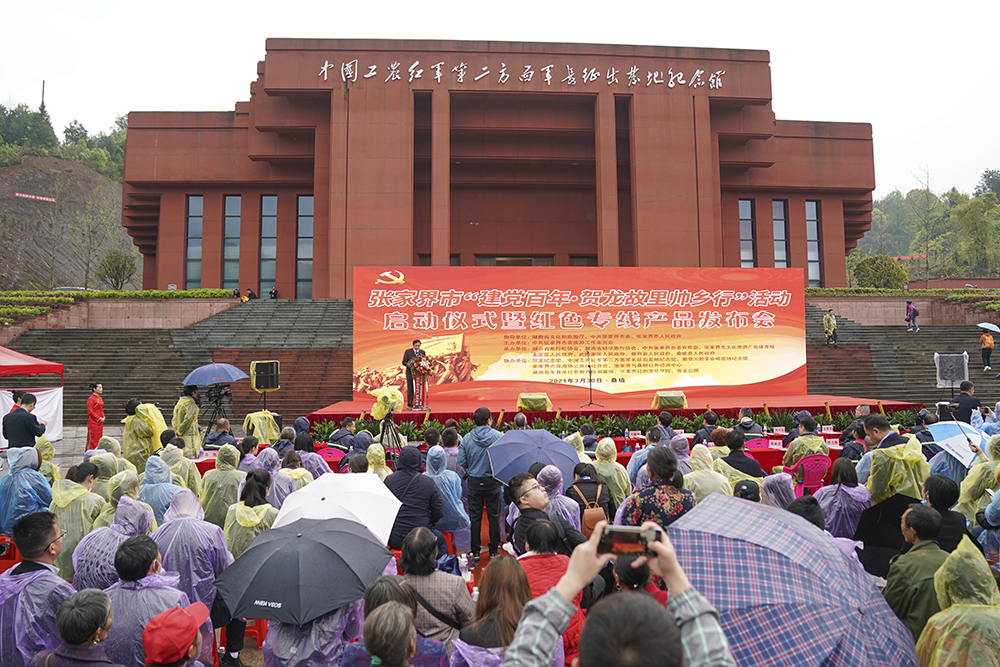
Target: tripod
(218,410)
(392,441)
(590,375)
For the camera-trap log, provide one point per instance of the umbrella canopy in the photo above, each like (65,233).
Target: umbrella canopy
(214,374)
(988,326)
(297,573)
(361,498)
(954,437)
(515,451)
(770,574)
(879,529)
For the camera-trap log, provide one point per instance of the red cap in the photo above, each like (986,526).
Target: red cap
(169,635)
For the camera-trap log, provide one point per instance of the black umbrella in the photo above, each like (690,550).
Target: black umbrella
(879,529)
(298,572)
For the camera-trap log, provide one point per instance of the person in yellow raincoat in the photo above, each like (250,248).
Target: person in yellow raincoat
(220,487)
(898,469)
(966,632)
(182,467)
(111,445)
(185,421)
(703,479)
(125,483)
(49,470)
(611,472)
(107,466)
(262,426)
(376,461)
(251,516)
(805,445)
(576,440)
(981,477)
(76,509)
(291,465)
(141,435)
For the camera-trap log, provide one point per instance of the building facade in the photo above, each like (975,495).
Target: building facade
(379,152)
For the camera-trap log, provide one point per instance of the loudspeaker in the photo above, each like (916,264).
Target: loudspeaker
(264,375)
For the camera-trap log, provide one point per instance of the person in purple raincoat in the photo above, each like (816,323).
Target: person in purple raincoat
(94,556)
(843,500)
(311,461)
(249,447)
(282,486)
(31,592)
(318,643)
(551,480)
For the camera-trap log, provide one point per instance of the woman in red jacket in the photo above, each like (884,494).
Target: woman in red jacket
(95,415)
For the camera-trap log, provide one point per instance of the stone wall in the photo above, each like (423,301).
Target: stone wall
(886,311)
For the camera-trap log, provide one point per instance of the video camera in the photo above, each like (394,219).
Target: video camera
(217,392)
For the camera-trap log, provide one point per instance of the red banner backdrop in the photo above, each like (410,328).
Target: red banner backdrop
(514,329)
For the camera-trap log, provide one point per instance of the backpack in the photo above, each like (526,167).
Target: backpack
(592,512)
(916,313)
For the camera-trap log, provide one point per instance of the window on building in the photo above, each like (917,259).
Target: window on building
(812,244)
(748,243)
(583,260)
(192,253)
(780,209)
(268,242)
(304,249)
(425,260)
(231,242)
(492,260)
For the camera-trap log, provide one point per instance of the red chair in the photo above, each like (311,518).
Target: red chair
(11,557)
(449,538)
(757,443)
(256,628)
(814,469)
(398,555)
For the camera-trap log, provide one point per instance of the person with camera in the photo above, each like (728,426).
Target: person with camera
(222,435)
(185,420)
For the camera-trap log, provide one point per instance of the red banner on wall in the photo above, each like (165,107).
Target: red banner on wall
(640,329)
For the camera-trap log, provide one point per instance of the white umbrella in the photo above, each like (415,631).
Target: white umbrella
(357,497)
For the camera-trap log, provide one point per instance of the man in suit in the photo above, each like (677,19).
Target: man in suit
(20,427)
(411,353)
(880,432)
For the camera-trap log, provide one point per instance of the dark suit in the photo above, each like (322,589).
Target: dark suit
(20,427)
(892,440)
(410,354)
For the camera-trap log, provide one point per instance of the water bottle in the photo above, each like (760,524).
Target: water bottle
(563,436)
(463,566)
(475,593)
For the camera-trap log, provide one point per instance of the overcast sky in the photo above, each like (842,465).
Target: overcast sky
(924,74)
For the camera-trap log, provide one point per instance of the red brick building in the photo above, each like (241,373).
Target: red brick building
(367,152)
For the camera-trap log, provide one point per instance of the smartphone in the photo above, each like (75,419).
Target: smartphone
(627,540)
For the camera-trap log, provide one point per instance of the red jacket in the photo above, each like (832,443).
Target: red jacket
(544,571)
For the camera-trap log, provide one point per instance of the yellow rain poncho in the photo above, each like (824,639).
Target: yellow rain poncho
(107,466)
(185,424)
(141,436)
(376,461)
(300,475)
(49,470)
(220,487)
(387,399)
(611,472)
(76,509)
(966,632)
(576,440)
(900,469)
(801,447)
(733,475)
(718,452)
(111,445)
(182,467)
(125,483)
(262,426)
(982,476)
(245,523)
(703,479)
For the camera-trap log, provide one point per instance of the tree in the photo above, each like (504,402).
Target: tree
(880,271)
(117,268)
(927,212)
(20,125)
(988,182)
(853,260)
(75,133)
(95,226)
(979,249)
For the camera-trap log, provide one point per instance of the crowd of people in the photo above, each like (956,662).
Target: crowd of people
(119,558)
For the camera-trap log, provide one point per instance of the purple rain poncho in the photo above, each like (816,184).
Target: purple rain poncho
(681,446)
(842,506)
(23,490)
(551,480)
(319,643)
(778,490)
(455,519)
(220,487)
(246,463)
(282,486)
(156,489)
(192,547)
(94,556)
(467,655)
(133,606)
(28,604)
(315,464)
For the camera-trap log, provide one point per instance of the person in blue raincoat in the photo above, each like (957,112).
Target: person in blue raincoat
(455,519)
(156,489)
(23,490)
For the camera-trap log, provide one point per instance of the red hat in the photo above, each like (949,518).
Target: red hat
(169,635)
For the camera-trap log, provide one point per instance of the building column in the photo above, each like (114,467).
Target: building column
(441,178)
(606,155)
(336,181)
(706,155)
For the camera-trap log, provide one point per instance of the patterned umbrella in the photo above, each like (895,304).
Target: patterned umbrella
(785,593)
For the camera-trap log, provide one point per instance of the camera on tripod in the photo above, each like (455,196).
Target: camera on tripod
(216,393)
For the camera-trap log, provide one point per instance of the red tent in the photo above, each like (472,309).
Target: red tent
(15,363)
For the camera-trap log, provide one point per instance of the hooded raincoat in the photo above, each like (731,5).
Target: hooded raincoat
(300,476)
(301,425)
(192,547)
(107,466)
(133,606)
(319,643)
(76,509)
(23,490)
(220,487)
(778,490)
(141,435)
(182,467)
(376,461)
(111,445)
(982,476)
(282,486)
(125,483)
(244,523)
(262,426)
(28,605)
(422,502)
(703,480)
(94,556)
(551,480)
(49,470)
(362,441)
(681,446)
(966,632)
(576,440)
(842,506)
(315,464)
(900,469)
(611,472)
(732,474)
(454,518)
(185,424)
(157,489)
(801,447)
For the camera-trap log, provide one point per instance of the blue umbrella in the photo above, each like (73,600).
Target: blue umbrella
(987,325)
(214,374)
(785,593)
(954,437)
(515,451)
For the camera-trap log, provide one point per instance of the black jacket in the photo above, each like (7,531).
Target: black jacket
(422,505)
(892,440)
(745,464)
(342,437)
(704,434)
(216,439)
(20,427)
(528,515)
(852,450)
(753,428)
(588,487)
